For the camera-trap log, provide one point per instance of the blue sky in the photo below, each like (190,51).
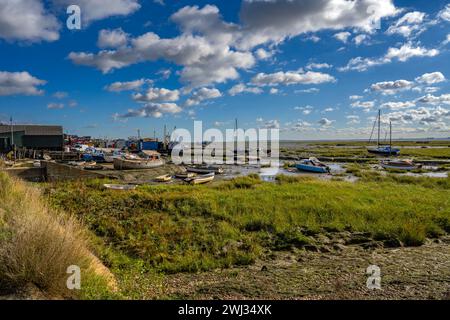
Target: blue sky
(314,69)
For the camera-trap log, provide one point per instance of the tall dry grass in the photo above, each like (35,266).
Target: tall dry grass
(37,245)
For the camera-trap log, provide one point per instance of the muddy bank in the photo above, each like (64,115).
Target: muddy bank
(406,273)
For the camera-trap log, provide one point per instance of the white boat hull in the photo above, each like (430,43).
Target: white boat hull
(125,187)
(205,170)
(405,168)
(125,164)
(202,179)
(165,178)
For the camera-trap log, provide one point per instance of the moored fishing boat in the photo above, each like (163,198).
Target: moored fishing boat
(164,178)
(201,179)
(109,157)
(406,165)
(205,169)
(134,162)
(312,165)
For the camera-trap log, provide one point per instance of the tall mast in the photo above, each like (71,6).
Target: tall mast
(165,137)
(379,127)
(12,140)
(390,134)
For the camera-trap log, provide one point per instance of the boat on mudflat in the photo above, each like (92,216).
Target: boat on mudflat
(312,165)
(77,163)
(406,165)
(201,179)
(124,187)
(185,175)
(164,178)
(205,169)
(137,164)
(93,167)
(109,157)
(382,150)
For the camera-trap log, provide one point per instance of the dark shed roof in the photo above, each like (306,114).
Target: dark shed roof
(33,130)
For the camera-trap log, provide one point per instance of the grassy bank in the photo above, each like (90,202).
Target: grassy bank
(364,143)
(37,245)
(173,229)
(356,151)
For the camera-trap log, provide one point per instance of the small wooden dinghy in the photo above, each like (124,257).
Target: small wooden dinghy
(312,165)
(185,175)
(205,169)
(202,179)
(406,165)
(125,187)
(164,178)
(93,167)
(77,163)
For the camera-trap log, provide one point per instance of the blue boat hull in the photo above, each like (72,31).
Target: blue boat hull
(96,158)
(385,151)
(305,167)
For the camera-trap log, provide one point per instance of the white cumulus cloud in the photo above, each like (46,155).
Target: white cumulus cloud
(112,38)
(127,85)
(431,78)
(291,77)
(27,20)
(93,10)
(402,54)
(19,83)
(241,87)
(201,95)
(391,87)
(157,95)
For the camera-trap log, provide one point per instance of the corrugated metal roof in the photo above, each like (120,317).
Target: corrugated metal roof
(34,130)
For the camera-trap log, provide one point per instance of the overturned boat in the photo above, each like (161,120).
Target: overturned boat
(312,165)
(201,179)
(406,165)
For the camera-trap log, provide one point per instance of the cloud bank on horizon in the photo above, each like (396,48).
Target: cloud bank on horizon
(279,63)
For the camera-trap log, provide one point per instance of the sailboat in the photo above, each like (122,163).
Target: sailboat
(385,150)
